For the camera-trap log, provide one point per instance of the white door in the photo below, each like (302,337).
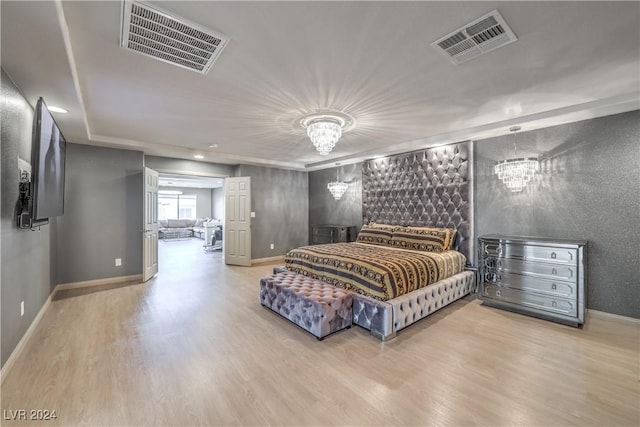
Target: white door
(150,232)
(237,221)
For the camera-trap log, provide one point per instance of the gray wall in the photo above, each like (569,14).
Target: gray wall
(25,255)
(103,214)
(588,188)
(324,209)
(280,199)
(203,200)
(170,165)
(218,203)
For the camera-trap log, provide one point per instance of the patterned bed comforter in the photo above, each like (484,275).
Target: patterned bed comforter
(379,272)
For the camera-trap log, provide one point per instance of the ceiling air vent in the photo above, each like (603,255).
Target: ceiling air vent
(483,35)
(153,32)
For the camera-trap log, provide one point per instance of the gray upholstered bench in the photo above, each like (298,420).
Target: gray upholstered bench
(317,307)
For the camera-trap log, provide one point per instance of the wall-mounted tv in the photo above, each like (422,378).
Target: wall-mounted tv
(48,155)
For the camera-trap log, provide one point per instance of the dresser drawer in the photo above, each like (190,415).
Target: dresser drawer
(319,239)
(317,231)
(538,269)
(530,300)
(332,233)
(554,288)
(322,232)
(530,252)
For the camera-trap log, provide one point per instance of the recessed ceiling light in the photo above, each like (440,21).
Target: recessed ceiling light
(213,145)
(55,109)
(198,156)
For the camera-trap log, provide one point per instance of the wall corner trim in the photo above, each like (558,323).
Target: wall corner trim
(17,351)
(98,282)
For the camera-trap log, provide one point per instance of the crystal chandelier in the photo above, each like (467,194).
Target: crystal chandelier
(324,132)
(516,172)
(337,188)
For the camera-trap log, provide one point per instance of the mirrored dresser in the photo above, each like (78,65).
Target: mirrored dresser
(540,277)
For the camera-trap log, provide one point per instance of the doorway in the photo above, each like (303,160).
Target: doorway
(191,214)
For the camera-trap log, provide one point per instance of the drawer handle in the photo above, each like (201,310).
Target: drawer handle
(554,271)
(498,293)
(553,304)
(553,255)
(554,287)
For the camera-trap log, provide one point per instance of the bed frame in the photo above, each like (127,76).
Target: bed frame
(384,318)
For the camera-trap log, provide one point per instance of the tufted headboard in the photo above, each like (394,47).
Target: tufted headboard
(431,187)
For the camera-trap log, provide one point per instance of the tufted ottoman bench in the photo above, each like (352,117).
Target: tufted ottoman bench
(317,307)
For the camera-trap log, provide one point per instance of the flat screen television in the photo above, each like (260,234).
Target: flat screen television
(48,155)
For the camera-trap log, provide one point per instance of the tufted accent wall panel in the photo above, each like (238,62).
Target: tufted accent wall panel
(432,187)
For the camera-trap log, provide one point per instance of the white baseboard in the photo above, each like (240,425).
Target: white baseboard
(267,260)
(23,341)
(98,282)
(605,315)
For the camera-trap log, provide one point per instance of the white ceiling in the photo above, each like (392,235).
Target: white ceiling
(371,60)
(188,181)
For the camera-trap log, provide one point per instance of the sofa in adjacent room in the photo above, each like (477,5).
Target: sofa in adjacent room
(183,228)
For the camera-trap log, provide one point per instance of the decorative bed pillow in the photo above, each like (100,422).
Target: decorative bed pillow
(376,234)
(426,239)
(383,226)
(452,238)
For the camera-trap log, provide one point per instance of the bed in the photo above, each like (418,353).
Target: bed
(380,273)
(398,275)
(431,187)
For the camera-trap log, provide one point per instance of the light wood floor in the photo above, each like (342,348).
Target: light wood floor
(194,347)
